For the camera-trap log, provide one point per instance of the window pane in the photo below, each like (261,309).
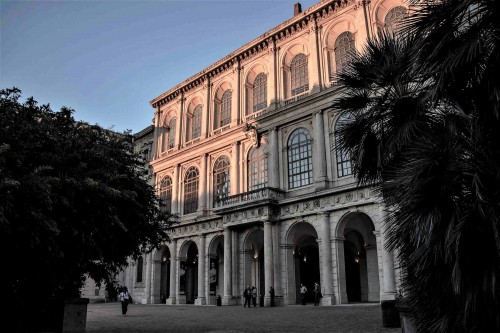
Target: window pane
(260,92)
(344,48)
(299,75)
(221,178)
(343,158)
(166,194)
(257,169)
(299,159)
(191,191)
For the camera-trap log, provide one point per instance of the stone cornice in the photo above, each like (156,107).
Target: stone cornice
(288,28)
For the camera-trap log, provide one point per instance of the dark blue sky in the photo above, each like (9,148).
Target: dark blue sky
(108,59)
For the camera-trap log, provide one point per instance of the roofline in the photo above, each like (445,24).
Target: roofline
(282,31)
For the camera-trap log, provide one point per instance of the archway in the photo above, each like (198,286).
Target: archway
(254,261)
(165,275)
(303,262)
(216,269)
(359,261)
(188,272)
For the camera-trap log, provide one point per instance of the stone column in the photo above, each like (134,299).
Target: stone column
(179,124)
(319,156)
(314,66)
(372,273)
(272,83)
(206,115)
(277,264)
(273,160)
(227,299)
(234,264)
(175,191)
(201,300)
(326,264)
(173,274)
(237,119)
(202,197)
(156,135)
(268,262)
(234,174)
(148,297)
(389,292)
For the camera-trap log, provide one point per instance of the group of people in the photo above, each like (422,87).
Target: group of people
(250,296)
(317,294)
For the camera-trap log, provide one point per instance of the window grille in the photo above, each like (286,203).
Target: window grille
(299,159)
(260,92)
(343,158)
(299,75)
(344,49)
(221,178)
(166,194)
(191,185)
(257,169)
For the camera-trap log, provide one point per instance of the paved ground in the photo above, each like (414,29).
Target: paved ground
(236,319)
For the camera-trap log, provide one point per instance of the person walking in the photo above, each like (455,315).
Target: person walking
(271,294)
(254,296)
(303,291)
(124,299)
(317,294)
(247,295)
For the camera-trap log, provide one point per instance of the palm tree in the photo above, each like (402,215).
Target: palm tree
(425,132)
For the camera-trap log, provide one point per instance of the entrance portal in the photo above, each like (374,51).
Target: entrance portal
(302,261)
(188,274)
(165,276)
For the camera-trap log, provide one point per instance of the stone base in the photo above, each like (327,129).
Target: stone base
(328,300)
(200,301)
(229,301)
(171,301)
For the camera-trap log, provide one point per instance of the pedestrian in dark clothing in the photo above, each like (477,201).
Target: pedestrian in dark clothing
(247,295)
(254,296)
(124,299)
(271,293)
(317,294)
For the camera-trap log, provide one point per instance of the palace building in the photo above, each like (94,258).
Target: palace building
(244,152)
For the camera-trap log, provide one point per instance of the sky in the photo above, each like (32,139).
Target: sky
(108,59)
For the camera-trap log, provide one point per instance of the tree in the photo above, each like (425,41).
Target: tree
(424,132)
(74,200)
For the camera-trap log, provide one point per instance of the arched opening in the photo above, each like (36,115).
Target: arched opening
(302,261)
(355,265)
(358,259)
(254,261)
(216,269)
(188,274)
(165,275)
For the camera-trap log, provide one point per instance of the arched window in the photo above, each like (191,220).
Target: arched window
(299,74)
(194,124)
(257,169)
(221,178)
(299,159)
(393,18)
(171,133)
(260,92)
(140,263)
(223,116)
(344,48)
(166,194)
(191,184)
(343,158)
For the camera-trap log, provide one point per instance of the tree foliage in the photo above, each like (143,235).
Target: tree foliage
(425,132)
(74,200)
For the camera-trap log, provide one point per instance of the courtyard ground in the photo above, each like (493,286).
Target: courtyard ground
(140,318)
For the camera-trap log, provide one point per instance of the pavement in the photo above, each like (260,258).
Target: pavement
(141,318)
